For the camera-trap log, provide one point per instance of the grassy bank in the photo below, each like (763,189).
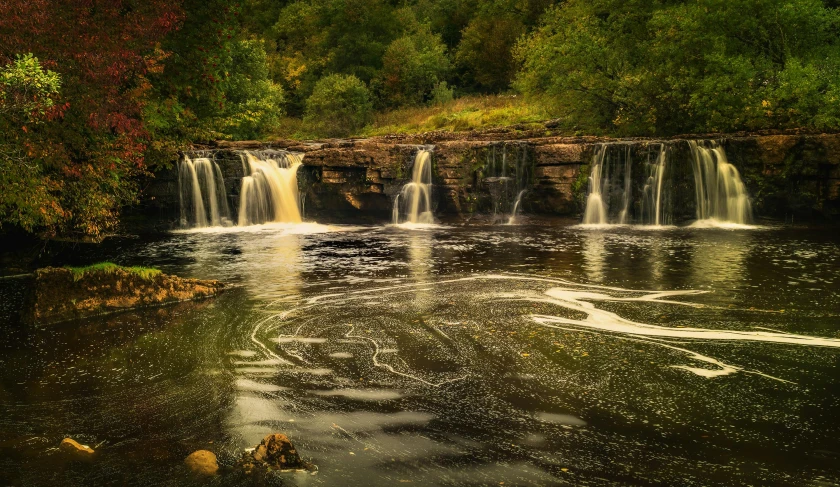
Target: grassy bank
(461,114)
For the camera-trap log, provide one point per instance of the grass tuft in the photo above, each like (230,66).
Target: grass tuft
(147,273)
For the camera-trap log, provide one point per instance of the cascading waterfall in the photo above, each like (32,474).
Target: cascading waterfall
(611,184)
(652,207)
(270,188)
(624,216)
(721,194)
(512,219)
(202,193)
(416,195)
(506,178)
(596,206)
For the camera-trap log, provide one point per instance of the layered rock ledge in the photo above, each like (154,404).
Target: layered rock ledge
(62,294)
(787,173)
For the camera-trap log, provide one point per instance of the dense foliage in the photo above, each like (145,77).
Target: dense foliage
(640,67)
(93,93)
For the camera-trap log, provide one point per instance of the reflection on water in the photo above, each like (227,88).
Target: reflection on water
(594,255)
(720,264)
(528,355)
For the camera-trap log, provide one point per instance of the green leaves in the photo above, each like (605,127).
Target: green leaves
(339,105)
(660,68)
(27,91)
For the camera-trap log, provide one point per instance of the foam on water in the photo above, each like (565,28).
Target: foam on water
(280,228)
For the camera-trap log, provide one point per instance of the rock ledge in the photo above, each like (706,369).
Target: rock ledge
(60,294)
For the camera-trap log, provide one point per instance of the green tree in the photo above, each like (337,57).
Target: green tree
(28,96)
(485,51)
(339,105)
(318,37)
(253,103)
(412,66)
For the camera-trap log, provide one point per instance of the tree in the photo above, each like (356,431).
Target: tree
(28,96)
(104,52)
(339,105)
(253,103)
(412,66)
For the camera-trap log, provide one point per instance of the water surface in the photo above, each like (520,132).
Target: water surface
(535,354)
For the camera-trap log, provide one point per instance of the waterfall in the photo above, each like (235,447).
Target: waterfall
(512,219)
(623,217)
(720,193)
(596,206)
(417,195)
(611,183)
(202,193)
(652,207)
(270,188)
(506,178)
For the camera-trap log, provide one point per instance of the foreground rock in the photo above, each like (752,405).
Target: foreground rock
(202,462)
(61,294)
(75,449)
(275,452)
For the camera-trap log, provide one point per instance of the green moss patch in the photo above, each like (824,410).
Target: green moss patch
(147,273)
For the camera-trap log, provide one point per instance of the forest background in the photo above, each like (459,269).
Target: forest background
(96,94)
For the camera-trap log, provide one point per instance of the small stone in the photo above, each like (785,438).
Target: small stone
(74,448)
(202,462)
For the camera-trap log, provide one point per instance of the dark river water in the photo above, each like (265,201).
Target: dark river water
(533,355)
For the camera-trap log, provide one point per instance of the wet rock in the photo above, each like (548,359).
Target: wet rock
(202,462)
(275,452)
(60,295)
(75,449)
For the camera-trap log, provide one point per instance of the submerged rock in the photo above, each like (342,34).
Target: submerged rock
(275,452)
(61,294)
(202,462)
(73,448)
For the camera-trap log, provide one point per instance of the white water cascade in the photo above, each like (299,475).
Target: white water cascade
(652,208)
(604,174)
(270,188)
(202,193)
(416,196)
(512,219)
(596,206)
(721,194)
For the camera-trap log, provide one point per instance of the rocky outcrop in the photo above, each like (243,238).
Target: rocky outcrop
(787,173)
(59,294)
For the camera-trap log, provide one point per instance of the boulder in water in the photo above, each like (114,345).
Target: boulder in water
(202,462)
(275,452)
(75,449)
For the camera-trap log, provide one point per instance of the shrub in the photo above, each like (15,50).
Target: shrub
(339,105)
(442,94)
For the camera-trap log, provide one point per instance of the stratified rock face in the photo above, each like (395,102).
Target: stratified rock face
(58,297)
(202,462)
(785,174)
